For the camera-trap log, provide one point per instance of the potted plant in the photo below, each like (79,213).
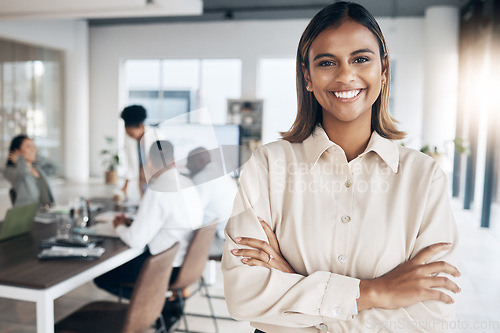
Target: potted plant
(110,160)
(461,145)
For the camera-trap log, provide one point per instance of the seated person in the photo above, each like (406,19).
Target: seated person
(217,190)
(25,172)
(168,213)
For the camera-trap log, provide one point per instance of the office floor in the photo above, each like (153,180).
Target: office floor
(478,305)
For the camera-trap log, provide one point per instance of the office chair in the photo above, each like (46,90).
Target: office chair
(12,196)
(144,309)
(193,267)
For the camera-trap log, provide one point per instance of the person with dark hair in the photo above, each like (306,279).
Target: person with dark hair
(337,228)
(25,173)
(134,117)
(217,190)
(169,212)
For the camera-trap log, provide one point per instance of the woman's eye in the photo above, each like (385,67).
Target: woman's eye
(326,63)
(361,60)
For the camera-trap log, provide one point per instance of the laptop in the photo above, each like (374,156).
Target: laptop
(18,221)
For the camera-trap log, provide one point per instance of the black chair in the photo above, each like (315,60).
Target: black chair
(12,195)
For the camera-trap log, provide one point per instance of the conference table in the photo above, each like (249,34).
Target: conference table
(24,277)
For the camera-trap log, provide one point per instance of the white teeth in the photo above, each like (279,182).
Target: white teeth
(347,94)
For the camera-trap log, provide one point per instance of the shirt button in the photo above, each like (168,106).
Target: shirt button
(348,183)
(342,259)
(337,312)
(346,219)
(323,327)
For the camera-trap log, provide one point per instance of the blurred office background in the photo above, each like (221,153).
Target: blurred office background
(67,68)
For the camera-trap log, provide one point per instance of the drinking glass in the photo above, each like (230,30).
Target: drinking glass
(79,212)
(64,224)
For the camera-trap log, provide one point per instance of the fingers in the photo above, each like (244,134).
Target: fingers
(252,254)
(255,243)
(13,157)
(437,295)
(428,252)
(119,219)
(443,282)
(255,262)
(437,267)
(273,241)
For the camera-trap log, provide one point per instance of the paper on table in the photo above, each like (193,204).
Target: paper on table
(108,216)
(105,217)
(45,217)
(105,229)
(59,209)
(71,252)
(64,209)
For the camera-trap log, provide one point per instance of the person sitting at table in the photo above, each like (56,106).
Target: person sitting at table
(24,170)
(169,212)
(217,190)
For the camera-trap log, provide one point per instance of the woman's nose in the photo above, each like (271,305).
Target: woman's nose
(345,74)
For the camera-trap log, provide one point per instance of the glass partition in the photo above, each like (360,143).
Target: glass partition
(31,99)
(170,88)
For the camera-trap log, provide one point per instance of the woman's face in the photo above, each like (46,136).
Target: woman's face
(345,72)
(28,150)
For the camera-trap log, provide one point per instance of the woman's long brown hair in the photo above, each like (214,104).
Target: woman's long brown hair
(309,111)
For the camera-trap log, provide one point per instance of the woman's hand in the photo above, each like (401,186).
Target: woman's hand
(410,283)
(263,254)
(13,156)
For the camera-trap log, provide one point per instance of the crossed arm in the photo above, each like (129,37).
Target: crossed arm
(283,299)
(411,282)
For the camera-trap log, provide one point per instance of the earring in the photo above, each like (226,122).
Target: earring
(308,88)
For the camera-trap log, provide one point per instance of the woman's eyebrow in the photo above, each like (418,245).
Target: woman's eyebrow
(329,55)
(322,55)
(362,51)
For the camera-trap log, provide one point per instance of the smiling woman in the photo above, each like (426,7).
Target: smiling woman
(337,227)
(366,32)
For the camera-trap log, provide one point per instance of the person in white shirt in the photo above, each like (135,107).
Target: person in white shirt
(217,189)
(134,117)
(169,212)
(337,228)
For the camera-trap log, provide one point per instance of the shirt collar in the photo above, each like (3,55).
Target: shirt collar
(318,142)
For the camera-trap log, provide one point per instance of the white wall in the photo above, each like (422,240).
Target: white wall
(109,46)
(71,37)
(441,77)
(405,38)
(248,40)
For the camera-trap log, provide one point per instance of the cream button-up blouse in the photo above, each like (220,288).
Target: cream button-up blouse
(336,222)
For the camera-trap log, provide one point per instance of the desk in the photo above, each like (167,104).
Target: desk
(24,277)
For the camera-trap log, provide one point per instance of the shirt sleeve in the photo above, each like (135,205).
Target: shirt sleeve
(48,166)
(437,225)
(270,296)
(18,171)
(130,169)
(148,221)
